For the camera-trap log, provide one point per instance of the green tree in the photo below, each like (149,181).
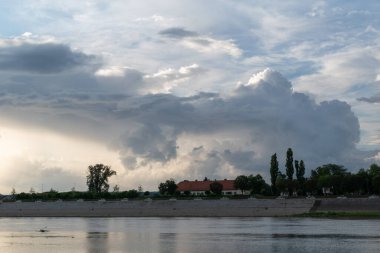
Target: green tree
(365,181)
(281,183)
(310,186)
(273,172)
(329,169)
(301,172)
(376,184)
(241,182)
(162,188)
(374,170)
(289,164)
(97,177)
(256,184)
(216,188)
(116,188)
(131,194)
(168,187)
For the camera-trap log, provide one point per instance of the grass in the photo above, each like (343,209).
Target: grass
(330,214)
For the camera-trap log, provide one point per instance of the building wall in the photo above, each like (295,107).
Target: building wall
(228,192)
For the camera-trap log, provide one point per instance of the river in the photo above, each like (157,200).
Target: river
(188,235)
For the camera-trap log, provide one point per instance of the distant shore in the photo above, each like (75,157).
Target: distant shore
(355,207)
(343,215)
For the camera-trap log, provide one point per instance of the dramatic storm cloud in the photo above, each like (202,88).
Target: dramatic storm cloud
(184,90)
(259,118)
(209,132)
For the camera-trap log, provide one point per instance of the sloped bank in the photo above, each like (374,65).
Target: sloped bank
(159,208)
(347,205)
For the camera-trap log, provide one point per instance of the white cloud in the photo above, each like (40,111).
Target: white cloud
(111,71)
(213,46)
(341,71)
(181,74)
(165,80)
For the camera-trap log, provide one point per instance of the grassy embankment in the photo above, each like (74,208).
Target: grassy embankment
(330,214)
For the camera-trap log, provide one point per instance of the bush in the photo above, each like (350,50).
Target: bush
(131,194)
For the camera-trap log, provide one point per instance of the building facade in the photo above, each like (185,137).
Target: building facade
(200,187)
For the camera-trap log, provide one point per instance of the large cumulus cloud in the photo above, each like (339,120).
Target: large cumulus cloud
(217,134)
(262,117)
(210,133)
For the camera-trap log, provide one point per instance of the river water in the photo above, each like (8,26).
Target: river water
(188,235)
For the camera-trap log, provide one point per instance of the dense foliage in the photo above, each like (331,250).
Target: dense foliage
(97,178)
(242,183)
(274,170)
(75,195)
(168,188)
(216,188)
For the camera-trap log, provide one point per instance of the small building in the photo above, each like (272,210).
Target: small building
(327,191)
(200,187)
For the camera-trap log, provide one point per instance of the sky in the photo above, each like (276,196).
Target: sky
(184,89)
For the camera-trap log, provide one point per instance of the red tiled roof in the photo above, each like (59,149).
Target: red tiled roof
(228,185)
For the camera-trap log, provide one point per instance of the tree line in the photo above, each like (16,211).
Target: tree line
(326,179)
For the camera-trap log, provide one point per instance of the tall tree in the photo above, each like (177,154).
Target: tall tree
(97,177)
(273,172)
(296,167)
(242,183)
(301,171)
(289,164)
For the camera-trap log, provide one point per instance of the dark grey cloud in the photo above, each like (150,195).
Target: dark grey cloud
(150,142)
(274,116)
(256,120)
(374,99)
(45,58)
(178,33)
(242,160)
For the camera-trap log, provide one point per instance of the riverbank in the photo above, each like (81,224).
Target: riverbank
(159,208)
(324,208)
(337,215)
